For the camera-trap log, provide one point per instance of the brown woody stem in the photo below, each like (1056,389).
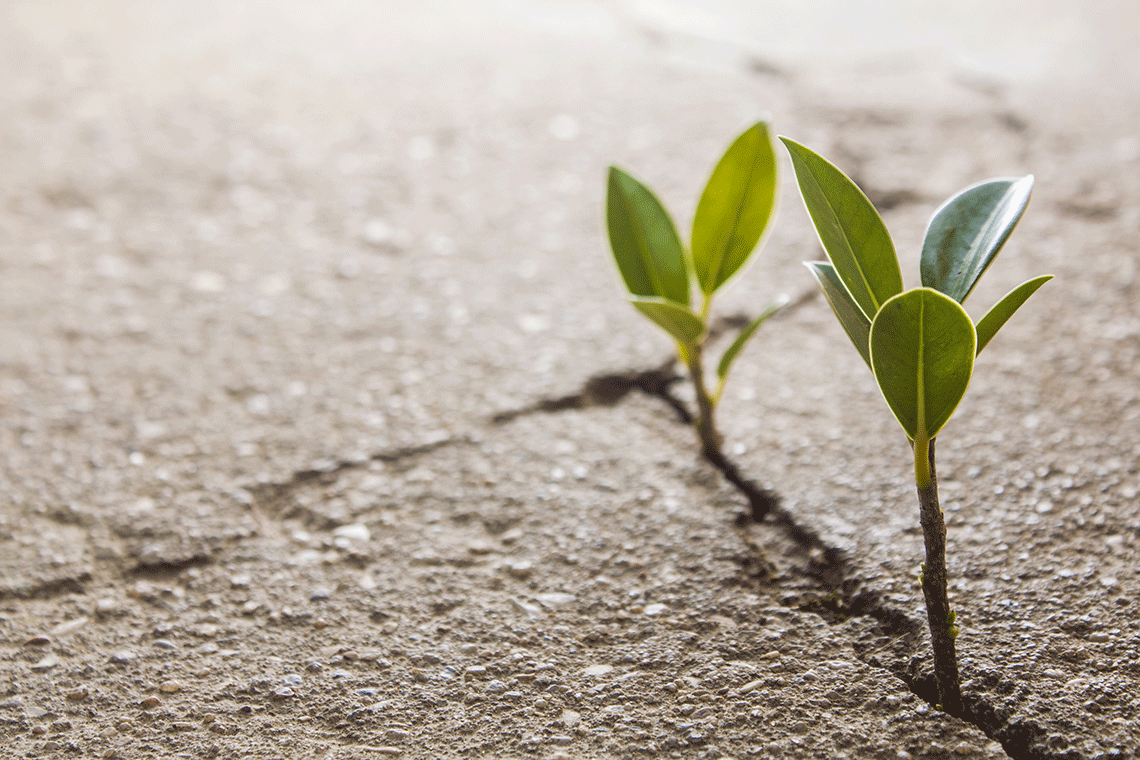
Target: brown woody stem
(942,628)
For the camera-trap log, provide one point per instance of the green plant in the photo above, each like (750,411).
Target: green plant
(920,344)
(659,271)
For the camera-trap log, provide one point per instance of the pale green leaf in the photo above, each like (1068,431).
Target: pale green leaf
(1004,309)
(645,243)
(854,321)
(734,208)
(674,318)
(922,352)
(851,230)
(745,334)
(967,232)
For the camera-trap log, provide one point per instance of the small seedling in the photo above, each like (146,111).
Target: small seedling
(659,271)
(920,344)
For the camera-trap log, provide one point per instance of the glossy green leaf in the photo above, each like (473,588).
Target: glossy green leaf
(851,230)
(676,319)
(854,321)
(745,334)
(644,241)
(967,232)
(922,352)
(1004,309)
(735,208)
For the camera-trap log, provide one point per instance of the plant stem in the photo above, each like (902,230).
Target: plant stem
(934,589)
(705,423)
(761,501)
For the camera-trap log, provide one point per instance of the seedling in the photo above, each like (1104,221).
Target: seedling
(659,271)
(920,344)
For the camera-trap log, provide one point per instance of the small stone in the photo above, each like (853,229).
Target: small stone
(570,718)
(283,692)
(70,626)
(165,644)
(320,594)
(479,546)
(150,703)
(555,599)
(241,580)
(521,569)
(170,687)
(207,630)
(562,740)
(354,532)
(396,735)
(77,695)
(47,663)
(533,610)
(655,609)
(597,670)
(496,687)
(106,606)
(38,641)
(292,679)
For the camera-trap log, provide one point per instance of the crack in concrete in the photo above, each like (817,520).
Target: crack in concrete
(49,588)
(271,496)
(844,595)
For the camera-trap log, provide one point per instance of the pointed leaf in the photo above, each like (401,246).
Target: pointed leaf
(851,230)
(676,319)
(922,351)
(967,231)
(854,321)
(746,333)
(734,208)
(644,241)
(1004,309)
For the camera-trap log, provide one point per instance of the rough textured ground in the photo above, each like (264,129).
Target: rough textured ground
(298,310)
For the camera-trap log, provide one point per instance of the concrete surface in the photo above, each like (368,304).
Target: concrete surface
(270,271)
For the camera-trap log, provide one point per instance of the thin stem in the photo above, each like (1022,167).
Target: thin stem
(705,423)
(938,615)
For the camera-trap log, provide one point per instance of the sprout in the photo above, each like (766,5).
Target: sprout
(659,271)
(920,344)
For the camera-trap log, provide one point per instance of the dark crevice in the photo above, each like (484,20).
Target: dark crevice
(271,496)
(845,597)
(48,589)
(609,390)
(843,594)
(170,566)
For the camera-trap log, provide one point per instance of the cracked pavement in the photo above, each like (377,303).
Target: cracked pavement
(295,302)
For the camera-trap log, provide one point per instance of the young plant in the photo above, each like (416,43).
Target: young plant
(920,344)
(659,271)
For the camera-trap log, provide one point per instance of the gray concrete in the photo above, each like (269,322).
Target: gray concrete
(270,270)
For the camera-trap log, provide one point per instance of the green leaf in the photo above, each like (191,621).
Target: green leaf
(734,208)
(922,351)
(852,318)
(745,334)
(1004,309)
(644,241)
(967,231)
(676,319)
(851,230)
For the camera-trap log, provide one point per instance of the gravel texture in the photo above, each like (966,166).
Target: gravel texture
(299,310)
